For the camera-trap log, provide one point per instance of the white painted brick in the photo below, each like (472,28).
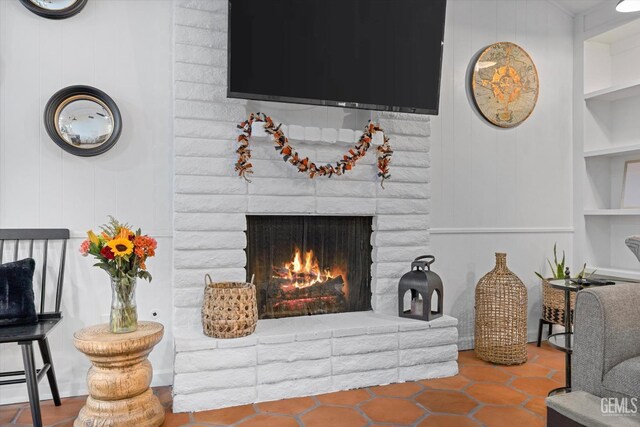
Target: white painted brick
(411,159)
(312,133)
(215,359)
(224,258)
(384,285)
(431,370)
(399,253)
(206,203)
(205,166)
(349,331)
(210,240)
(185,72)
(277,339)
(205,129)
(329,135)
(393,270)
(420,356)
(342,188)
(443,322)
(404,116)
(342,206)
(296,132)
(406,127)
(404,174)
(401,222)
(204,92)
(385,303)
(187,317)
(218,6)
(275,169)
(365,379)
(200,19)
(281,187)
(200,55)
(197,147)
(364,362)
(312,335)
(409,143)
(400,238)
(209,222)
(294,388)
(278,372)
(195,277)
(213,399)
(281,204)
(382,329)
(200,37)
(248,341)
(428,338)
(407,206)
(209,111)
(402,190)
(346,135)
(188,297)
(364,344)
(289,352)
(198,184)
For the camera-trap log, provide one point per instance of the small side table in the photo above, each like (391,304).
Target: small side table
(563,341)
(118,381)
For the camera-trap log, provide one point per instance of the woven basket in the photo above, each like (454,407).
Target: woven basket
(553,304)
(501,316)
(229,309)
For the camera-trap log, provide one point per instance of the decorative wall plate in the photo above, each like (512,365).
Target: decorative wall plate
(54,9)
(83,120)
(505,84)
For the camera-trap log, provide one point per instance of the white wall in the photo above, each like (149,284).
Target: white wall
(501,189)
(125,49)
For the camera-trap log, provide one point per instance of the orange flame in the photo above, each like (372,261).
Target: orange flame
(303,271)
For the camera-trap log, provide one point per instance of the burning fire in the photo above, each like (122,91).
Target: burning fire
(302,273)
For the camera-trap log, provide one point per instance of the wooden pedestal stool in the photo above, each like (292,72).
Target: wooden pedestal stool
(118,381)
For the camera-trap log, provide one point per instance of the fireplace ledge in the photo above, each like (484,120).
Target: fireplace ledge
(308,355)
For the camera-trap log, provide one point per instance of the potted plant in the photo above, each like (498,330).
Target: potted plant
(122,253)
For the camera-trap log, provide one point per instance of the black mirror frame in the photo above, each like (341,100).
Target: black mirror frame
(63,94)
(55,14)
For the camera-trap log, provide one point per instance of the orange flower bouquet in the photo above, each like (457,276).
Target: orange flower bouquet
(122,253)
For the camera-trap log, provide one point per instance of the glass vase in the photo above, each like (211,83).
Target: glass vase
(124,313)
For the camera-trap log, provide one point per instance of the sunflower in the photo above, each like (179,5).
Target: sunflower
(120,246)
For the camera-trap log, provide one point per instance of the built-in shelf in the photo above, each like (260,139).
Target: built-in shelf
(613,151)
(611,212)
(614,92)
(614,272)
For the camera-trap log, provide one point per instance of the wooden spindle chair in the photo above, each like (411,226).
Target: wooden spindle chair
(48,316)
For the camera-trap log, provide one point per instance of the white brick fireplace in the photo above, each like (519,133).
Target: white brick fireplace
(302,355)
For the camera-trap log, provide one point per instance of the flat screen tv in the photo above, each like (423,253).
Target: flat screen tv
(369,54)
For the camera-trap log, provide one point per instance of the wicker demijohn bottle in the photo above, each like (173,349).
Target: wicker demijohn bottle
(501,316)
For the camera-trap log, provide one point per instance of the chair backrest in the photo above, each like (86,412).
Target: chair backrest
(16,240)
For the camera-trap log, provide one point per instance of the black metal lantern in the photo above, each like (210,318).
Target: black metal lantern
(422,282)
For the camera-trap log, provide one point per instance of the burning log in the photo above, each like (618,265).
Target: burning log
(284,289)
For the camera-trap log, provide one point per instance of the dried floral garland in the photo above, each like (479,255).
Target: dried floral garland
(289,154)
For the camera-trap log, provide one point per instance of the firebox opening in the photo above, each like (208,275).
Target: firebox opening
(305,265)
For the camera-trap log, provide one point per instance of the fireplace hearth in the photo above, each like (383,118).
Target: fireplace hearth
(307,265)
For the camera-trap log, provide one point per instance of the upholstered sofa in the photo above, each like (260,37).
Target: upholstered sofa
(606,356)
(606,361)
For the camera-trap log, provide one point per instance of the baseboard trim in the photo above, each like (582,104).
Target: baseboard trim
(503,230)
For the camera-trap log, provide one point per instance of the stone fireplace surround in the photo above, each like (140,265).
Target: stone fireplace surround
(301,355)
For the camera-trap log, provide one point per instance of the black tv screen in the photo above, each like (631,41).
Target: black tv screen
(370,54)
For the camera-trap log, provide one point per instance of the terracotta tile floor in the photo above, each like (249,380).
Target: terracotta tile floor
(482,394)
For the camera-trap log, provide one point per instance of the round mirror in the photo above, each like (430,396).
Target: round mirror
(82,120)
(54,9)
